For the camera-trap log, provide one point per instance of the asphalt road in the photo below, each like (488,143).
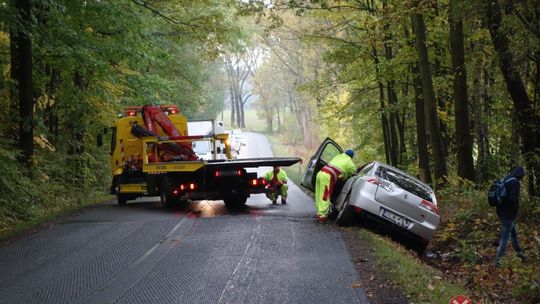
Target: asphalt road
(140,254)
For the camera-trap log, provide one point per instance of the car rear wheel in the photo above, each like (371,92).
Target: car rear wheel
(421,247)
(346,216)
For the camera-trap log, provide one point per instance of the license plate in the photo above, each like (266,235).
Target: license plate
(398,220)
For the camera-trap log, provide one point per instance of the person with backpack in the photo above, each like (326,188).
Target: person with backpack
(507,211)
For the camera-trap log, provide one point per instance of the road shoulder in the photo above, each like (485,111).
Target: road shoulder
(377,287)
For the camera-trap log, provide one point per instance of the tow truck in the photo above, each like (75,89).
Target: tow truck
(152,155)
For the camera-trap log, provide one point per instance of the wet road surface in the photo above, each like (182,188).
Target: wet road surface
(140,254)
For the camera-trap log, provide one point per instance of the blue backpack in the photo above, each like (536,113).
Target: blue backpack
(497,191)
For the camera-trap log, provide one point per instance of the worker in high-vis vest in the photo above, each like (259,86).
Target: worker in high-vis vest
(276,185)
(340,167)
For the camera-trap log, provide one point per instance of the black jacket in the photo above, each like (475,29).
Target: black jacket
(508,209)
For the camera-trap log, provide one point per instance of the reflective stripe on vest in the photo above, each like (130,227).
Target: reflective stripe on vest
(333,171)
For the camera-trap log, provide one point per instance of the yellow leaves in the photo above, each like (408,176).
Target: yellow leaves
(44,101)
(4,38)
(115,89)
(42,142)
(124,69)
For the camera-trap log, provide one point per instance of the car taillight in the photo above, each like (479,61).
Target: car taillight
(182,187)
(358,210)
(430,207)
(217,174)
(254,182)
(239,172)
(373,180)
(192,186)
(175,192)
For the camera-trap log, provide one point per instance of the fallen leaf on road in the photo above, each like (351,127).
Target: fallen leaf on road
(356,285)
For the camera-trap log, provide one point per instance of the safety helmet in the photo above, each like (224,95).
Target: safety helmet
(350,153)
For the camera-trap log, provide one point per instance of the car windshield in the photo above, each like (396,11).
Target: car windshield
(405,183)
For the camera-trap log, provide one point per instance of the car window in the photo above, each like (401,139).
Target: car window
(365,169)
(329,152)
(405,183)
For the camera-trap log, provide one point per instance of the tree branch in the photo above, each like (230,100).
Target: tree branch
(165,17)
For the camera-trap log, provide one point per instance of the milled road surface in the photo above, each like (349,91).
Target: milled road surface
(139,254)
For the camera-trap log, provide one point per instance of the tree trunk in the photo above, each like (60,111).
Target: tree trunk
(529,122)
(461,102)
(238,104)
(394,141)
(384,120)
(25,85)
(384,125)
(421,138)
(278,119)
(481,84)
(430,104)
(14,87)
(242,121)
(50,111)
(233,106)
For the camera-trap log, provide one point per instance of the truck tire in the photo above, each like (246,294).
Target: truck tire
(121,199)
(167,200)
(235,202)
(346,215)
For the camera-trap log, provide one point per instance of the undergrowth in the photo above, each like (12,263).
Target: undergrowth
(466,242)
(55,183)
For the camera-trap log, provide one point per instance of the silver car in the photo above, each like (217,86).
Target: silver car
(382,193)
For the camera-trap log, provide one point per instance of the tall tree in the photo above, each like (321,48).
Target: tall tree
(421,139)
(23,64)
(430,103)
(528,120)
(463,134)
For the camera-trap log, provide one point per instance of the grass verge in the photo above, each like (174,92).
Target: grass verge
(419,282)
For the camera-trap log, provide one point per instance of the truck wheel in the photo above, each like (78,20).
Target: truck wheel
(167,201)
(346,215)
(165,198)
(235,202)
(123,198)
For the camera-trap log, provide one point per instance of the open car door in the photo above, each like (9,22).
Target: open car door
(325,153)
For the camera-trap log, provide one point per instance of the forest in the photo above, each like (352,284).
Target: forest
(448,90)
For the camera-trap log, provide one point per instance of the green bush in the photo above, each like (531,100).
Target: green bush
(57,182)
